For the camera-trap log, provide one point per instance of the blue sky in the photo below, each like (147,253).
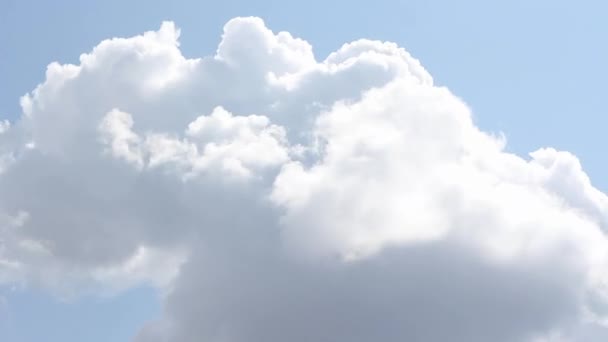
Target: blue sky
(34,316)
(535,70)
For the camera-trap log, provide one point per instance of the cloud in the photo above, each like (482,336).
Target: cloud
(274,197)
(234,145)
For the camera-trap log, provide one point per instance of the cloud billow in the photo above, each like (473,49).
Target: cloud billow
(274,197)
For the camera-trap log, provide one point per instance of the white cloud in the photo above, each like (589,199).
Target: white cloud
(116,132)
(276,197)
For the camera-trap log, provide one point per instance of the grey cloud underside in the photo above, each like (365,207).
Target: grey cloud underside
(431,292)
(273,197)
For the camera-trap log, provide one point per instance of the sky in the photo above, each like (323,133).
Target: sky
(167,178)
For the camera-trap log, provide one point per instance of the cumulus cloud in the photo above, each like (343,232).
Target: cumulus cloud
(275,197)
